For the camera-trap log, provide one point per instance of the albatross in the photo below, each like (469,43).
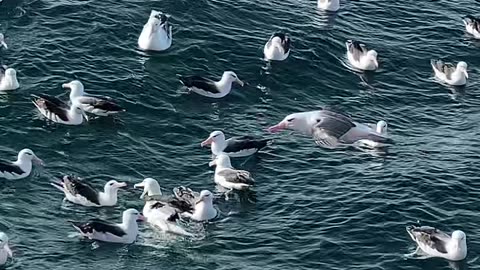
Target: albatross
(58,111)
(202,203)
(162,211)
(5,251)
(80,192)
(472,26)
(95,105)
(277,48)
(157,33)
(234,147)
(329,128)
(8,79)
(101,230)
(20,168)
(228,177)
(447,73)
(435,243)
(361,58)
(209,88)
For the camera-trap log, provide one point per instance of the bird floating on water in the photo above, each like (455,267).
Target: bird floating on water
(234,147)
(435,243)
(328,5)
(58,111)
(163,211)
(361,58)
(8,79)
(447,73)
(94,105)
(330,128)
(472,26)
(228,177)
(101,230)
(209,88)
(2,42)
(202,203)
(22,167)
(277,48)
(80,192)
(5,251)
(157,33)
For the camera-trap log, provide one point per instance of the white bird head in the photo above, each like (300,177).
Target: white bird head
(215,137)
(28,155)
(206,197)
(462,67)
(276,40)
(230,76)
(76,88)
(132,215)
(295,121)
(10,72)
(221,161)
(459,235)
(150,187)
(113,186)
(372,56)
(3,240)
(381,127)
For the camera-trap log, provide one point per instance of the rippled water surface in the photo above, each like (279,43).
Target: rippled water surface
(311,208)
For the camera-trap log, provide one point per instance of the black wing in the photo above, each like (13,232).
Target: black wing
(10,168)
(76,187)
(102,104)
(186,195)
(335,124)
(474,21)
(179,202)
(98,225)
(237,144)
(431,237)
(356,48)
(53,105)
(237,176)
(200,83)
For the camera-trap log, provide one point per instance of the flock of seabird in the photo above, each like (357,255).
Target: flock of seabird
(328,127)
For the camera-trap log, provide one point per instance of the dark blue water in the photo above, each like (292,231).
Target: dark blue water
(311,208)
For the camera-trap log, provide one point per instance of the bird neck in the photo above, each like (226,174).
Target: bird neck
(129,224)
(24,164)
(10,81)
(218,146)
(108,197)
(225,83)
(204,210)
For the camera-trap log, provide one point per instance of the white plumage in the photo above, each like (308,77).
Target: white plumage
(157,33)
(435,243)
(449,74)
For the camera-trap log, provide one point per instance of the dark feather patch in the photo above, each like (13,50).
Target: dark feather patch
(76,187)
(237,144)
(200,83)
(10,168)
(99,225)
(53,105)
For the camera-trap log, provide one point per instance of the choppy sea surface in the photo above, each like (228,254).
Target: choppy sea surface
(311,208)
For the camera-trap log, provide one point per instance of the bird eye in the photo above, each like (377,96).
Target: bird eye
(290,120)
(111,184)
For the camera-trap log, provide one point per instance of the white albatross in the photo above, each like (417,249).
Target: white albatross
(101,230)
(8,79)
(58,111)
(447,73)
(277,48)
(22,167)
(228,177)
(328,5)
(472,25)
(209,88)
(361,58)
(80,192)
(329,128)
(435,243)
(156,34)
(162,211)
(5,251)
(202,203)
(95,105)
(234,147)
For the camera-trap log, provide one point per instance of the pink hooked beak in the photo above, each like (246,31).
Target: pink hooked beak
(207,142)
(141,217)
(278,127)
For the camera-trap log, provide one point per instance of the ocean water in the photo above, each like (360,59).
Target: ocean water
(311,208)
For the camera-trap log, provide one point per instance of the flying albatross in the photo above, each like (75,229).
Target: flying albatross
(330,128)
